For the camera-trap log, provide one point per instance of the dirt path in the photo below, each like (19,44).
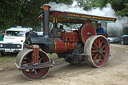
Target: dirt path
(115,73)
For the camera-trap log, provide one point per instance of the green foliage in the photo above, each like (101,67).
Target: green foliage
(85,3)
(22,12)
(120,6)
(63,1)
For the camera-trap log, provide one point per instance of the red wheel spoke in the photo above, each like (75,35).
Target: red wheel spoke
(95,44)
(103,47)
(93,48)
(103,56)
(97,41)
(94,51)
(28,59)
(100,58)
(30,71)
(35,71)
(100,44)
(95,57)
(41,59)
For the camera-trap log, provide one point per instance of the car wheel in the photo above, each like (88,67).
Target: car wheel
(1,54)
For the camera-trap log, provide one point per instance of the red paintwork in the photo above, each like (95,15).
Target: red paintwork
(106,35)
(86,29)
(71,37)
(36,52)
(61,46)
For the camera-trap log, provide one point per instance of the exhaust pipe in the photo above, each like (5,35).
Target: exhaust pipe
(46,10)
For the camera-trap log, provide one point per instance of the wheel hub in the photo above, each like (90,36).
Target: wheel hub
(99,51)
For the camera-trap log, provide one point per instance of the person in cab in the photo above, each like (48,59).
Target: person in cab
(100,30)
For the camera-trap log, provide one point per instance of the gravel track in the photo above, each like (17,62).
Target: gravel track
(114,73)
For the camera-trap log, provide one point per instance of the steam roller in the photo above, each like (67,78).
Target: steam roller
(76,46)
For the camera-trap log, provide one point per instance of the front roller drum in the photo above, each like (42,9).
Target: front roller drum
(27,59)
(96,50)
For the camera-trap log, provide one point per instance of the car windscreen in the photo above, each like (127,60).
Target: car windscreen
(125,36)
(15,33)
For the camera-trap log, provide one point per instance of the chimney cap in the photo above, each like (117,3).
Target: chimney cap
(46,7)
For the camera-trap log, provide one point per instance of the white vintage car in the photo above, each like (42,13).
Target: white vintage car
(14,38)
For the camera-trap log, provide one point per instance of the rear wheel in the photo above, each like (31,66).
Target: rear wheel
(34,73)
(97,50)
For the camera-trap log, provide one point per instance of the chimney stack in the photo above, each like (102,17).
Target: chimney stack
(46,10)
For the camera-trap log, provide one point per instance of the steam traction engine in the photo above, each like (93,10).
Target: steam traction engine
(75,47)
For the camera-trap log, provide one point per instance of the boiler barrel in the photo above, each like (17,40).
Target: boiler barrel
(61,46)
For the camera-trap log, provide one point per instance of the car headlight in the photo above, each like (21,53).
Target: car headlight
(19,46)
(108,39)
(111,39)
(1,45)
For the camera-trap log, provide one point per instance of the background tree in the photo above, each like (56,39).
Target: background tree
(22,12)
(120,6)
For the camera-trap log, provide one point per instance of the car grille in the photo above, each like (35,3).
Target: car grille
(11,46)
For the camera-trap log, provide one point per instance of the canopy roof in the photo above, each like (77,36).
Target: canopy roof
(72,17)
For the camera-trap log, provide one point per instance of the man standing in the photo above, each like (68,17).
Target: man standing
(100,30)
